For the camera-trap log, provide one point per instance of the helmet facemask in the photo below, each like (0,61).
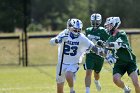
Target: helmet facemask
(75,26)
(95,20)
(112,23)
(75,31)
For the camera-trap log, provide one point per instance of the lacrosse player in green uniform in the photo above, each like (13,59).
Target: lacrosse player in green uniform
(126,60)
(94,61)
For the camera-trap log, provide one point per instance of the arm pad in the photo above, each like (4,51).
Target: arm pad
(114,45)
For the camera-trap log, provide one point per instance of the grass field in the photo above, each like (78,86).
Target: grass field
(41,79)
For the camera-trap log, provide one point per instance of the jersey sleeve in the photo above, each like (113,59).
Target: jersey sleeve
(125,42)
(64,32)
(61,34)
(121,42)
(86,31)
(105,34)
(87,43)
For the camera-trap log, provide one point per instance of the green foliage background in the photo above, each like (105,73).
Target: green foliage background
(53,14)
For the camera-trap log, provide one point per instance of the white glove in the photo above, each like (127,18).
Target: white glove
(60,39)
(110,59)
(52,42)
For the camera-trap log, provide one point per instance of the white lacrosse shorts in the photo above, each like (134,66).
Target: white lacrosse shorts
(65,68)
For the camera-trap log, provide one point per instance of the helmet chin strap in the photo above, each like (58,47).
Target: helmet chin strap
(73,36)
(113,29)
(95,27)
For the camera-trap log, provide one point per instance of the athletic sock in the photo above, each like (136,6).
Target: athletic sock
(71,89)
(125,88)
(96,81)
(87,89)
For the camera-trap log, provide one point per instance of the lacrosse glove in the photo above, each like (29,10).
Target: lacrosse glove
(110,59)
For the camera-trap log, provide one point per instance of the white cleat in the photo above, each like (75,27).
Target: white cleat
(98,85)
(128,90)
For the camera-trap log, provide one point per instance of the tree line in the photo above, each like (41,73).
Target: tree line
(53,14)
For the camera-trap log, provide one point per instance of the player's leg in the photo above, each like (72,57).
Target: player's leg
(88,66)
(70,75)
(133,72)
(69,78)
(117,80)
(88,77)
(118,72)
(60,87)
(96,75)
(96,81)
(98,64)
(135,81)
(88,80)
(60,78)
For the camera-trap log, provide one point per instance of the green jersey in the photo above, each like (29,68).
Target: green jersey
(99,34)
(123,53)
(93,61)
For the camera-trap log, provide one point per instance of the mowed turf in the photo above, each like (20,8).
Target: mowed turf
(41,79)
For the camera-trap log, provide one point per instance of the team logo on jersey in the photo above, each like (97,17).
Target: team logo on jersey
(72,43)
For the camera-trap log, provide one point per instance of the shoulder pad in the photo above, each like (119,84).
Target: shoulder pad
(102,28)
(66,31)
(89,28)
(123,32)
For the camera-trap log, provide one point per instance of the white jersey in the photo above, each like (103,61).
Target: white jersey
(72,50)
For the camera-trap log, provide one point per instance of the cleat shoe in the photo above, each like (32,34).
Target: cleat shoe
(98,85)
(128,90)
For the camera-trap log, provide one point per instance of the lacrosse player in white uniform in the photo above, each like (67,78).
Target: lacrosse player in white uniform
(72,45)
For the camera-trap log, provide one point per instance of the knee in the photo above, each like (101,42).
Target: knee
(69,75)
(88,73)
(116,80)
(136,84)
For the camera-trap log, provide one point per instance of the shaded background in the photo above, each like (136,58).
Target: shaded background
(51,15)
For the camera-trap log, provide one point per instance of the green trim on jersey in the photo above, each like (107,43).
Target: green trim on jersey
(93,61)
(101,33)
(125,52)
(126,61)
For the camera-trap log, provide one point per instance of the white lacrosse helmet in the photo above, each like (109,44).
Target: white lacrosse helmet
(74,25)
(96,20)
(114,22)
